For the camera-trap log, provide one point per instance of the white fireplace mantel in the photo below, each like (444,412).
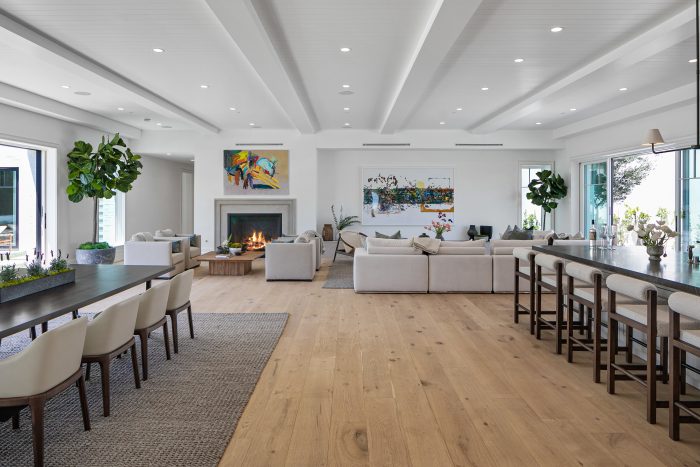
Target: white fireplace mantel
(225,206)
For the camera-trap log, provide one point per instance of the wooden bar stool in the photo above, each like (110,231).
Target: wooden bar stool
(649,318)
(524,271)
(682,306)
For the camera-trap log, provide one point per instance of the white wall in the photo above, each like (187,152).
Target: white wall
(487,185)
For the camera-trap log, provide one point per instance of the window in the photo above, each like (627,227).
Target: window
(9,207)
(595,194)
(110,220)
(690,196)
(531,215)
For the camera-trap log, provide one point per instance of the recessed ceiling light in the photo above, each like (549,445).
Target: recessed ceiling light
(538,123)
(82,93)
(159,124)
(251,124)
(519,60)
(346,124)
(345,86)
(168,154)
(65,86)
(572,110)
(232,108)
(484,89)
(459,109)
(158,50)
(557,29)
(345,49)
(120,108)
(443,123)
(693,60)
(623,89)
(166,126)
(204,86)
(347,109)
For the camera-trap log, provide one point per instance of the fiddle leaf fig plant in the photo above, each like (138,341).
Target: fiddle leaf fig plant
(101,173)
(545,191)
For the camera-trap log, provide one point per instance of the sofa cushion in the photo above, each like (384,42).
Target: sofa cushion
(138,237)
(395,236)
(164,233)
(520,234)
(461,250)
(388,242)
(195,251)
(178,257)
(463,244)
(393,250)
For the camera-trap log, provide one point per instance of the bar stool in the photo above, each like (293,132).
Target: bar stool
(682,305)
(643,316)
(550,276)
(527,273)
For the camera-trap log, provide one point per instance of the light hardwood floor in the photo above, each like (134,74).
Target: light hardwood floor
(425,380)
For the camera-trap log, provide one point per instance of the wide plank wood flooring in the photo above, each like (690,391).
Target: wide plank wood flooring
(425,380)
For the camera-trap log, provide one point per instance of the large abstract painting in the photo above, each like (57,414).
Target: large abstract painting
(406,196)
(256,172)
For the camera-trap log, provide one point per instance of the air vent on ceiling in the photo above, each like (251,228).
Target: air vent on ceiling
(259,144)
(387,144)
(346,93)
(479,144)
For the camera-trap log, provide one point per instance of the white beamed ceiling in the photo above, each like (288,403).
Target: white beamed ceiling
(386,38)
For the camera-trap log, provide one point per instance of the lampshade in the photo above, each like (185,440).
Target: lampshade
(653,136)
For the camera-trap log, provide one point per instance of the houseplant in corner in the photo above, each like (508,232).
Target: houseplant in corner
(341,222)
(545,191)
(100,174)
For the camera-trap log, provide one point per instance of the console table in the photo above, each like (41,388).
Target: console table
(230,265)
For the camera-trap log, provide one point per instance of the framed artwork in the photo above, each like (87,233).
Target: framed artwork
(256,172)
(406,196)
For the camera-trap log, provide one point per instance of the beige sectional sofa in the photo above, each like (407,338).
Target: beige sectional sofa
(394,266)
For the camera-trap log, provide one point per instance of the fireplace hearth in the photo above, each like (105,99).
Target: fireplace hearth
(254,229)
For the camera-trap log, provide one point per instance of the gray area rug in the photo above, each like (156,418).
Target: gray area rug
(184,415)
(340,274)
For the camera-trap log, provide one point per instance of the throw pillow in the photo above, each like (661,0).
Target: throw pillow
(520,234)
(396,236)
(176,247)
(506,235)
(193,240)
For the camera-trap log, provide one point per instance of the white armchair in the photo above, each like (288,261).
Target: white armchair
(145,250)
(47,367)
(191,249)
(291,261)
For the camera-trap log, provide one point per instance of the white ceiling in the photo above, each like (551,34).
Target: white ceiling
(412,63)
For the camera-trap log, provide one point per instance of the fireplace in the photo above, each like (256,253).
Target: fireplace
(254,229)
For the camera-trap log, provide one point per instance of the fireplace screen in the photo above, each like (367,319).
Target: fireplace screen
(254,230)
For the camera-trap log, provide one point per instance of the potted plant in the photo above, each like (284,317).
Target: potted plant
(341,222)
(100,174)
(654,237)
(35,277)
(545,191)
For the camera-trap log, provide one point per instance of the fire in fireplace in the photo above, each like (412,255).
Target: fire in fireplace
(254,230)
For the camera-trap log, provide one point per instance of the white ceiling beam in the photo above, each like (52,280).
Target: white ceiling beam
(675,97)
(445,25)
(50,44)
(248,32)
(22,99)
(672,31)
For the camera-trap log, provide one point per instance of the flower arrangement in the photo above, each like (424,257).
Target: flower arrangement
(653,234)
(440,225)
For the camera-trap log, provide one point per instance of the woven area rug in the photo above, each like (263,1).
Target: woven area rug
(184,414)
(340,274)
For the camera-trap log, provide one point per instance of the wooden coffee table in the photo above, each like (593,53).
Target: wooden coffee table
(231,265)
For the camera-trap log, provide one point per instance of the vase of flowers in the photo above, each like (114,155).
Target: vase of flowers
(440,225)
(654,237)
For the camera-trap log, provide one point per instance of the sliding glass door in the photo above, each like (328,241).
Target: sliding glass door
(9,208)
(690,196)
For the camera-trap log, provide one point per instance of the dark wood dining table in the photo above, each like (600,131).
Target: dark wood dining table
(92,283)
(673,272)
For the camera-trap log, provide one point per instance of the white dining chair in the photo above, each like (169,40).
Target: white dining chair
(179,300)
(45,368)
(151,316)
(109,335)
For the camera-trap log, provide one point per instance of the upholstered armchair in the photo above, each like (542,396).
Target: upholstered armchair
(348,242)
(292,261)
(146,250)
(191,250)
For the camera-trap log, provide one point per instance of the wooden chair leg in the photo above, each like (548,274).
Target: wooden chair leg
(612,351)
(629,335)
(135,365)
(143,337)
(538,313)
(15,421)
(44,327)
(682,373)
(597,340)
(189,319)
(651,380)
(75,314)
(83,403)
(664,360)
(516,292)
(560,322)
(32,332)
(88,366)
(166,339)
(173,321)
(570,331)
(37,409)
(532,306)
(674,415)
(104,373)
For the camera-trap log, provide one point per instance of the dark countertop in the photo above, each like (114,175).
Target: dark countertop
(673,272)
